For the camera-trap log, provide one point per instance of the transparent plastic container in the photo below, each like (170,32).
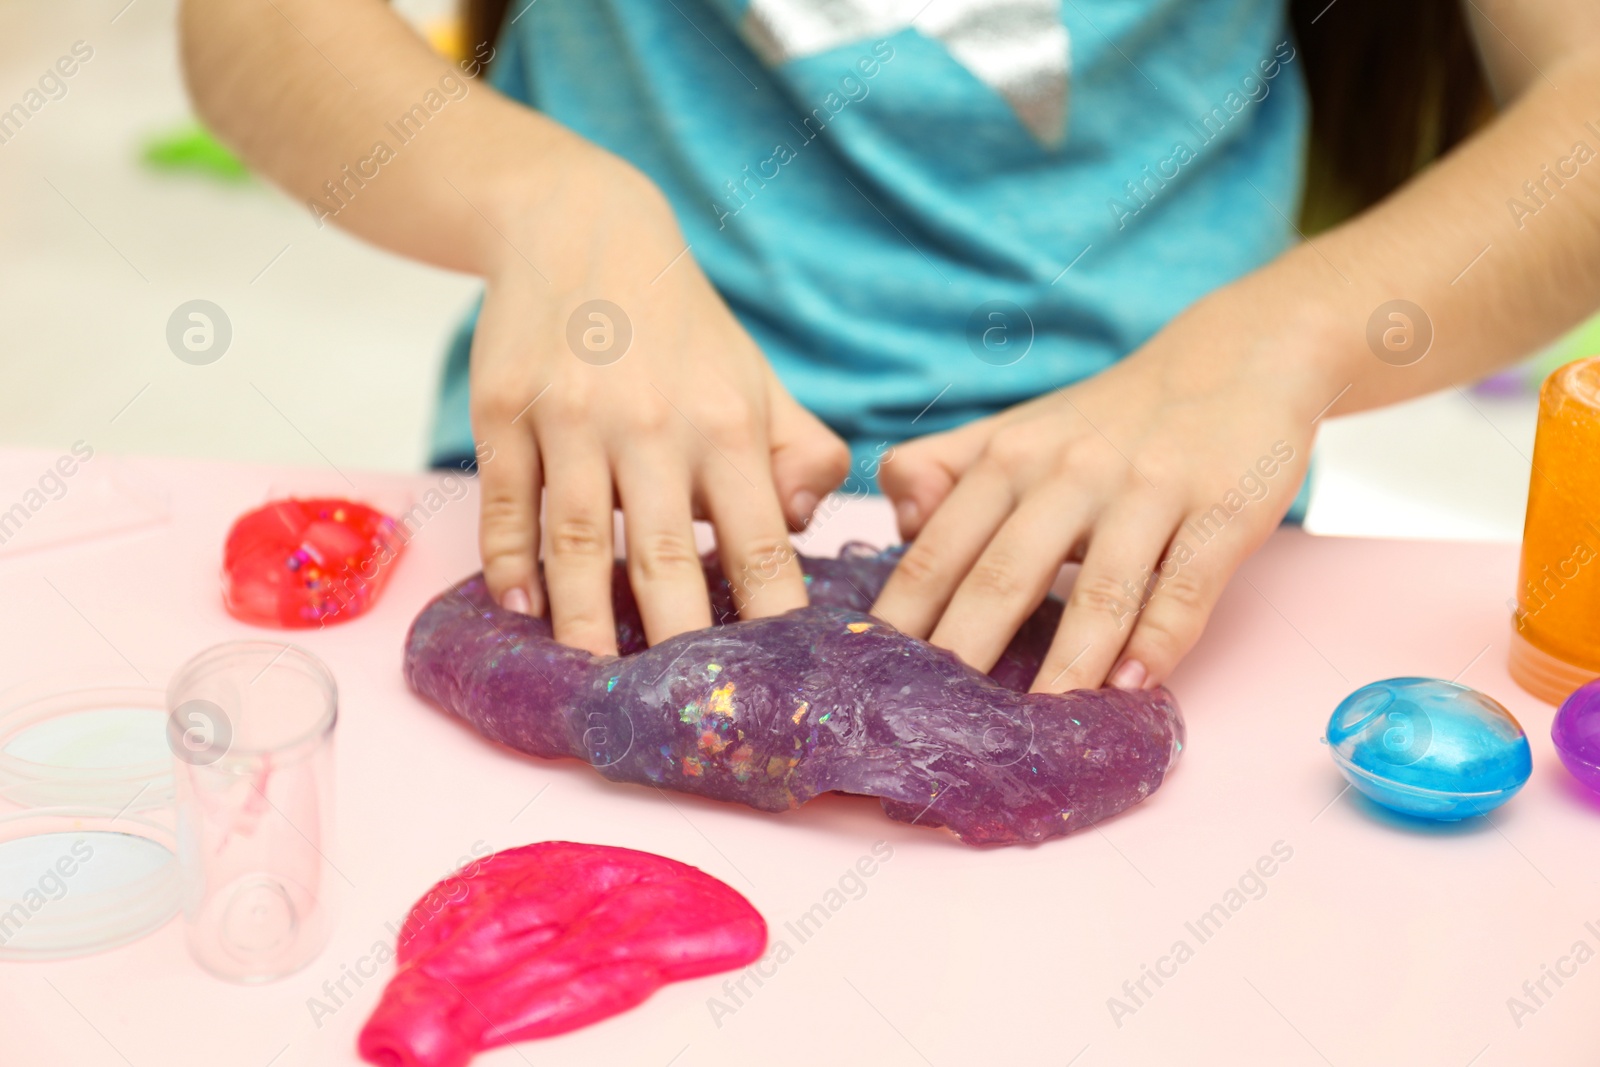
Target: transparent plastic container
(251,726)
(1555,641)
(77,880)
(88,853)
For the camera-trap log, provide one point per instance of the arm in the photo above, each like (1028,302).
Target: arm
(1539,269)
(304,88)
(686,419)
(1166,471)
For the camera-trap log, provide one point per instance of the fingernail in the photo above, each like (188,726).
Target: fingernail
(907,513)
(1130,675)
(802,504)
(516,599)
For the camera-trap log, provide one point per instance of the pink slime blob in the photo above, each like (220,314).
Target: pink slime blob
(542,939)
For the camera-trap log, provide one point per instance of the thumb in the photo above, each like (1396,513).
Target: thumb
(919,474)
(808,459)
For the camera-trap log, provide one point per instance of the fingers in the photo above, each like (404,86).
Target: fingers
(808,459)
(1012,575)
(1103,609)
(1188,589)
(578,548)
(752,536)
(508,525)
(663,566)
(927,576)
(920,474)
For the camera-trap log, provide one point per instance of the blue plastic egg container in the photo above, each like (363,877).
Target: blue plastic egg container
(1428,748)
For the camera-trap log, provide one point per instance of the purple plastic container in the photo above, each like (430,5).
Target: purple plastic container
(1576,732)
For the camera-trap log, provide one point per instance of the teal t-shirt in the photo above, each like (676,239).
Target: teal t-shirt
(925,211)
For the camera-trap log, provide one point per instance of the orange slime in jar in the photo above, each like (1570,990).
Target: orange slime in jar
(1555,644)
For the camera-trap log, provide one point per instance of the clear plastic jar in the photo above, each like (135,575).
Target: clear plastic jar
(1555,645)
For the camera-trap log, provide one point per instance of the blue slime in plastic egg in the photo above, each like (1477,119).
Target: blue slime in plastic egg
(1428,748)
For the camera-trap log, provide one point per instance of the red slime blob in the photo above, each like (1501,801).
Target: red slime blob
(542,939)
(303,563)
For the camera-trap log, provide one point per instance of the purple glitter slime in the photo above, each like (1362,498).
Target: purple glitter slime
(1576,733)
(772,712)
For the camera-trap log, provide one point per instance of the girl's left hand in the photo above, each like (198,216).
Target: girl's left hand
(1161,474)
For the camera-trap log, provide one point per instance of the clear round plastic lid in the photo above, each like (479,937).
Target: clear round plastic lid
(88,858)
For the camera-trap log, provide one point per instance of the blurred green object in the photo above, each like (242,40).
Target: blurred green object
(191,147)
(1581,342)
(1526,377)
(1584,341)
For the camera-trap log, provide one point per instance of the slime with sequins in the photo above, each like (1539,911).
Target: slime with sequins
(542,939)
(302,563)
(772,712)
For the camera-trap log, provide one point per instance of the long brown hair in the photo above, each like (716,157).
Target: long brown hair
(480,24)
(1394,85)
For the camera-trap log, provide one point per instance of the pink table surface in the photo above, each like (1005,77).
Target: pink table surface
(1374,942)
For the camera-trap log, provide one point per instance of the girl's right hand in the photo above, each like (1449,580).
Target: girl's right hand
(656,401)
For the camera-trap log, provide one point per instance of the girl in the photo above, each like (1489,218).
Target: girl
(1032,264)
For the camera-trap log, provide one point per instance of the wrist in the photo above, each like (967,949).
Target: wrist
(548,209)
(1299,331)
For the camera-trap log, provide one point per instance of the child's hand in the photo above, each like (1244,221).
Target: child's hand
(1162,474)
(684,419)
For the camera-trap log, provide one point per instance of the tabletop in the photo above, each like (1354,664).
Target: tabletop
(1253,910)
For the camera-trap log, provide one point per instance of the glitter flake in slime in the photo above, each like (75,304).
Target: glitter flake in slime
(542,939)
(304,563)
(772,712)
(1428,748)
